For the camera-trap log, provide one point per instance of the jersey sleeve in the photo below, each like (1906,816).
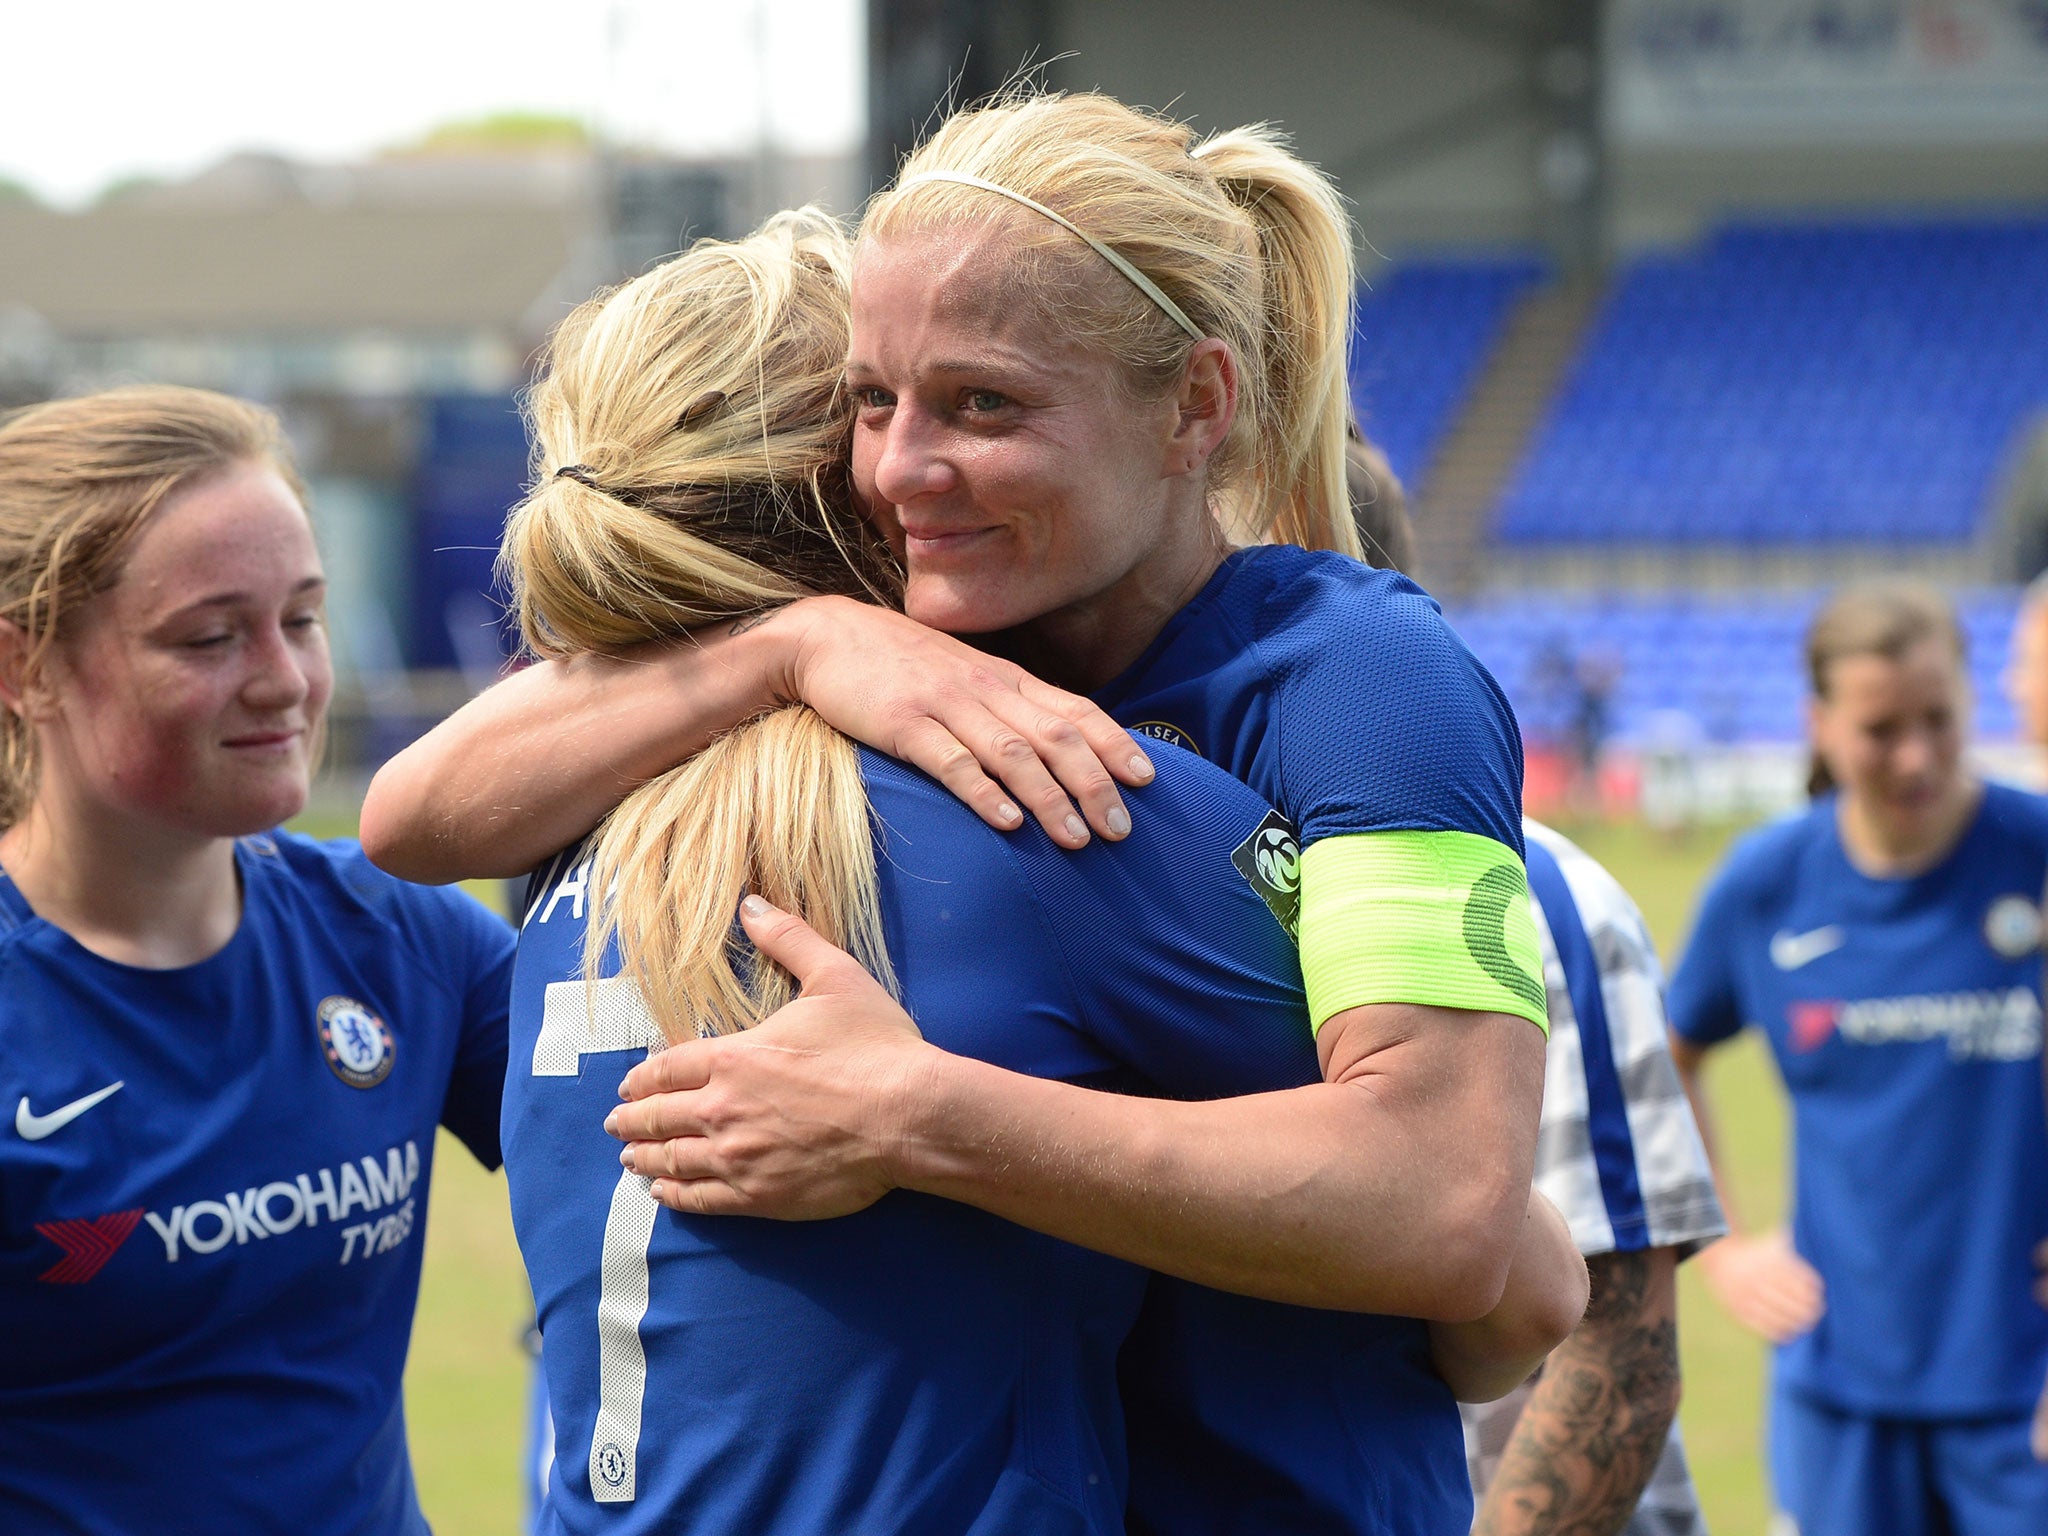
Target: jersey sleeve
(480,953)
(1403,764)
(464,952)
(1178,964)
(1619,1152)
(1704,1000)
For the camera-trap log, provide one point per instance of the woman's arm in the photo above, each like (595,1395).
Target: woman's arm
(1399,1184)
(1544,1300)
(536,761)
(1591,1434)
(1764,1284)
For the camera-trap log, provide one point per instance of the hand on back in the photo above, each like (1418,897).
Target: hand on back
(790,1118)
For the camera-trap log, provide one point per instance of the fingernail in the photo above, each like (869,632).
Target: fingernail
(625,1157)
(754,906)
(1141,767)
(611,1123)
(655,1188)
(1119,821)
(1008,812)
(1077,829)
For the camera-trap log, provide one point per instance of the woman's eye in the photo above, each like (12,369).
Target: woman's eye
(207,642)
(303,621)
(870,399)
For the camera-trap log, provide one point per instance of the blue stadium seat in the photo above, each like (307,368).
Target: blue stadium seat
(1783,384)
(1425,329)
(1732,662)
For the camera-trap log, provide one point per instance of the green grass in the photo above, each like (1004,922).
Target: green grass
(467,1380)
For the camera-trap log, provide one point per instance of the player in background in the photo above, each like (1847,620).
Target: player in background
(1063,440)
(1887,941)
(224,1049)
(954,1372)
(1592,1445)
(2026,683)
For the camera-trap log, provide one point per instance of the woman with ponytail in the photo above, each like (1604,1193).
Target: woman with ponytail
(1094,364)
(917,1365)
(1887,942)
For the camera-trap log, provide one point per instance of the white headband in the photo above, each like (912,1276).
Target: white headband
(1139,280)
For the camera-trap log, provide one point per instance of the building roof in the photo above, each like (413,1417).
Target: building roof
(122,270)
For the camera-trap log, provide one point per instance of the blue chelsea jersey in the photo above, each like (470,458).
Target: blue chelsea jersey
(1905,1016)
(921,1366)
(1340,694)
(213,1196)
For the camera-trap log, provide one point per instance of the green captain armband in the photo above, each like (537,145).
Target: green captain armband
(1440,919)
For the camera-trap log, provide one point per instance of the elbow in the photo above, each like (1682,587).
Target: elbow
(1474,1251)
(391,839)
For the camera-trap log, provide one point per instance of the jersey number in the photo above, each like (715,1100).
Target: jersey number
(579,1021)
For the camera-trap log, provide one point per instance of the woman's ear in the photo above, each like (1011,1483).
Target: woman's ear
(21,692)
(1207,405)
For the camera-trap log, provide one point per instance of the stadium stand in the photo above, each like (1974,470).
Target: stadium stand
(1796,384)
(1425,329)
(1725,666)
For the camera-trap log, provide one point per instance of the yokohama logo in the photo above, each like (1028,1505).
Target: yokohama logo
(87,1245)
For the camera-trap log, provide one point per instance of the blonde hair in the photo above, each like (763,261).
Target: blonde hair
(689,467)
(1250,241)
(79,478)
(1879,618)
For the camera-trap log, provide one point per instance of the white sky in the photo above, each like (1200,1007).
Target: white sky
(99,89)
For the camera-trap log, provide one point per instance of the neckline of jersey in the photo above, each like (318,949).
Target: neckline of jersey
(1827,810)
(1209,595)
(17,916)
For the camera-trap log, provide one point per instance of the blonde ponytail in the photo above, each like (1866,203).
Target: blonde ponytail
(1310,282)
(689,468)
(1245,239)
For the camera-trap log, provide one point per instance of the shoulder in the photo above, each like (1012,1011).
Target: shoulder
(1190,806)
(1308,609)
(1191,865)
(1385,721)
(1762,862)
(335,879)
(2017,813)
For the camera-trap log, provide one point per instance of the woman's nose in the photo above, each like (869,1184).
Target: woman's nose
(278,676)
(908,464)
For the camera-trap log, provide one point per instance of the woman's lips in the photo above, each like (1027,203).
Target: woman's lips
(939,543)
(260,741)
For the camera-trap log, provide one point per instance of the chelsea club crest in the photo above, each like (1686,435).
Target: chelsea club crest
(2012,927)
(357,1043)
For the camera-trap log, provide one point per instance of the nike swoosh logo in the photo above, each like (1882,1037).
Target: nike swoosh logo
(35,1127)
(1789,951)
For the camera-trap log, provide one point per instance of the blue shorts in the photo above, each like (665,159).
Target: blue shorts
(1848,1474)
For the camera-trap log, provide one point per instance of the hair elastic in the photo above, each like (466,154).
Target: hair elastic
(1139,280)
(580,473)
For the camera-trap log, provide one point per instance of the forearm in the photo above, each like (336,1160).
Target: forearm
(1690,1060)
(536,761)
(1592,1432)
(1330,1195)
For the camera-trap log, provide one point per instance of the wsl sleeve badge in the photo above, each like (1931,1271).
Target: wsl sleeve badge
(1270,861)
(356,1042)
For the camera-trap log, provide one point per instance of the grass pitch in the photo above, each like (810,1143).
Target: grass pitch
(467,1382)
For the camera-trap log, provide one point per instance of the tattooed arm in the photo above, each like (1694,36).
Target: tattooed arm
(1595,1425)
